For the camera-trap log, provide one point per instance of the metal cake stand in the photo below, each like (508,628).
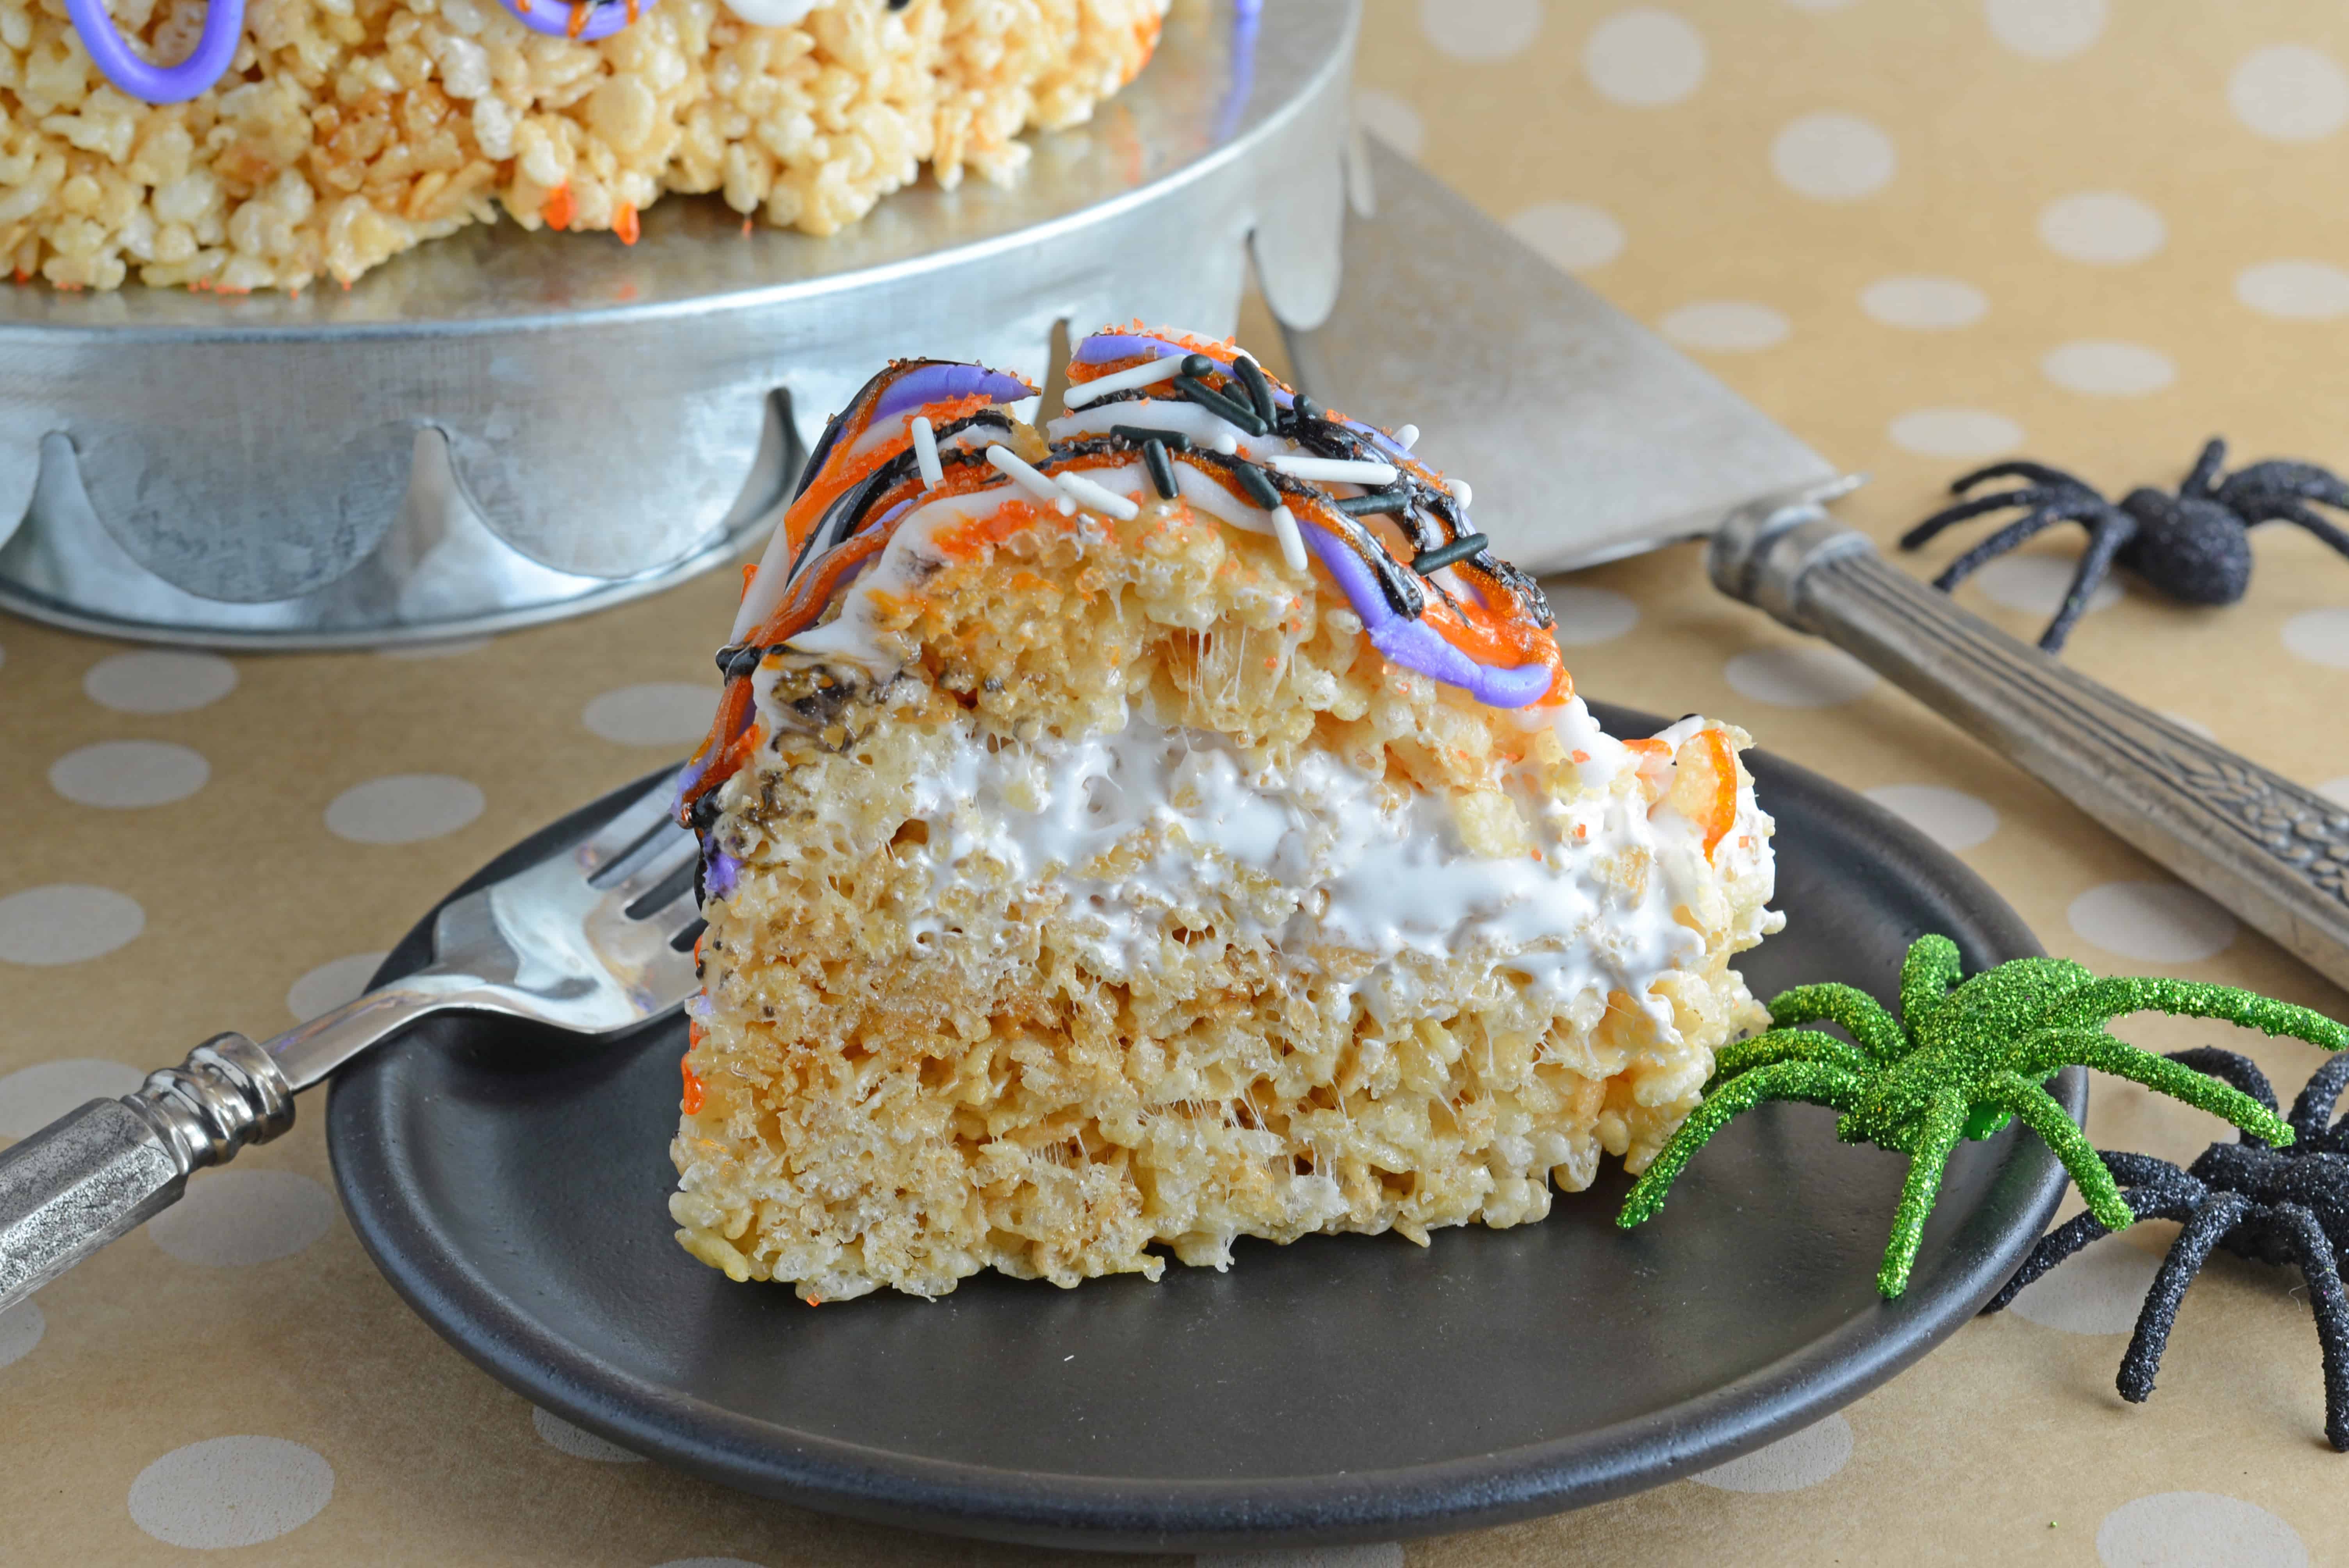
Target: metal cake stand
(502,427)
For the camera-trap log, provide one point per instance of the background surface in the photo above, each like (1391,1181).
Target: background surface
(1923,234)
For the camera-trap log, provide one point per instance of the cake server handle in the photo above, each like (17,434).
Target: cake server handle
(98,1172)
(2274,852)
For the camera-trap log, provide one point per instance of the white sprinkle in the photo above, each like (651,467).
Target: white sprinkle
(1340,468)
(1084,492)
(1227,443)
(1460,491)
(1008,464)
(1406,437)
(1292,543)
(1099,386)
(926,451)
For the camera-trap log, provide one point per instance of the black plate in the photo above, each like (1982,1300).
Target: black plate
(511,1186)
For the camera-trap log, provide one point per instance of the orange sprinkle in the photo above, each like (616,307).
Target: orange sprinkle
(624,221)
(748,573)
(690,1101)
(1723,812)
(557,211)
(580,11)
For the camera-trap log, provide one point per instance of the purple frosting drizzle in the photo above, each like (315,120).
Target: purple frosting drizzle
(1414,643)
(191,77)
(719,872)
(553,17)
(942,383)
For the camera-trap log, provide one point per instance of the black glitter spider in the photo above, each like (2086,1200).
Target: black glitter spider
(2287,1205)
(2194,546)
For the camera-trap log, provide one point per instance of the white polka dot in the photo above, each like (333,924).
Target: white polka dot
(1924,305)
(2047,29)
(1790,1464)
(2192,726)
(2335,790)
(2196,1530)
(1832,157)
(403,808)
(1571,234)
(66,923)
(659,713)
(21,1327)
(1391,121)
(1643,57)
(2108,228)
(2098,1290)
(158,683)
(230,1491)
(2153,922)
(577,1441)
(1480,30)
(126,774)
(1587,615)
(448,650)
(1951,817)
(2294,291)
(32,1098)
(1954,433)
(233,1219)
(1385,1555)
(1808,674)
(2104,369)
(2036,585)
(2320,636)
(1725,326)
(2289,93)
(332,984)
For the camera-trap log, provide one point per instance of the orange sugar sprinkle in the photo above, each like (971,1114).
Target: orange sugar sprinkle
(690,1100)
(624,219)
(1722,814)
(749,574)
(580,10)
(558,209)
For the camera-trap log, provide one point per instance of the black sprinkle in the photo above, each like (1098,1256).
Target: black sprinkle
(745,660)
(726,656)
(1395,500)
(1444,555)
(1216,403)
(1307,409)
(1173,440)
(1259,390)
(705,812)
(1259,489)
(1161,467)
(1198,365)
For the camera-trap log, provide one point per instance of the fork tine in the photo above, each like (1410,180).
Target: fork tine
(666,857)
(631,827)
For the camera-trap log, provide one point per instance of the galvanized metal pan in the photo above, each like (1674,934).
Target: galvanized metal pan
(1340,1389)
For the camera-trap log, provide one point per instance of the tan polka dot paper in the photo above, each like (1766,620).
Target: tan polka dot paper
(1922,234)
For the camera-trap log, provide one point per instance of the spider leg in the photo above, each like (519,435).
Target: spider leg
(2268,506)
(2030,495)
(2314,1109)
(2065,509)
(2101,1001)
(2209,1224)
(2153,1175)
(1862,1017)
(2112,530)
(2153,1188)
(1786,1046)
(2212,458)
(2306,1236)
(2037,1110)
(1944,1124)
(2228,1067)
(2020,468)
(2281,476)
(1927,970)
(2094,1049)
(1815,1083)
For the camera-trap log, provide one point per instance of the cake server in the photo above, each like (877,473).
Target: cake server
(596,938)
(1589,437)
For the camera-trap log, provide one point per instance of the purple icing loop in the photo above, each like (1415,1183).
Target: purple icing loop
(553,17)
(719,872)
(1415,643)
(191,77)
(943,383)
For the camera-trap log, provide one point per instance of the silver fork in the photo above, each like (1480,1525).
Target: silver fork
(593,938)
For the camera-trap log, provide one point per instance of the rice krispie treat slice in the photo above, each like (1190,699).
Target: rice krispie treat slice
(347,131)
(1171,826)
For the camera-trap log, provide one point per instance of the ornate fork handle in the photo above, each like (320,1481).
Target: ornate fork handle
(99,1171)
(2271,850)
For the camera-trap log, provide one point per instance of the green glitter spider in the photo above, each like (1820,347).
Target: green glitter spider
(1963,1059)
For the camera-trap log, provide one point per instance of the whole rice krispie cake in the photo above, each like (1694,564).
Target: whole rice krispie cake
(347,131)
(1170,826)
